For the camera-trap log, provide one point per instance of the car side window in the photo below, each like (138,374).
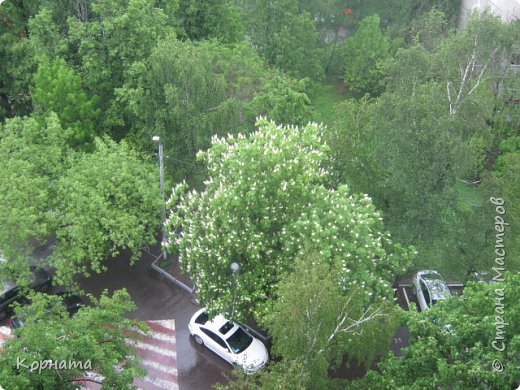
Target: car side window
(425,293)
(215,338)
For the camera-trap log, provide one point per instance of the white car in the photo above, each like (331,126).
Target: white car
(229,340)
(430,288)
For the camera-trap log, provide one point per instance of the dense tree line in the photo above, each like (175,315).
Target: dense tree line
(430,148)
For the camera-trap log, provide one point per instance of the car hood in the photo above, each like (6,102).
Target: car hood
(255,356)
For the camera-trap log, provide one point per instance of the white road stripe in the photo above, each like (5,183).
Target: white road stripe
(158,336)
(170,324)
(160,367)
(165,384)
(153,348)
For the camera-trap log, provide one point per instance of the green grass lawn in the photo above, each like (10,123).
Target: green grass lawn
(324,98)
(468,194)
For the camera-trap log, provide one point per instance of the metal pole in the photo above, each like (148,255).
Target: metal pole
(235,267)
(161,173)
(161,168)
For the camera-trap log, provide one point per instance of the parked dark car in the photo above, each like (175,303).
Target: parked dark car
(10,292)
(71,302)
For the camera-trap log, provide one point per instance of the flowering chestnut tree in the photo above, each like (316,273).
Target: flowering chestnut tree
(266,201)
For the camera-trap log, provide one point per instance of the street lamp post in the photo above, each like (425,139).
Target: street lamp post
(235,267)
(156,138)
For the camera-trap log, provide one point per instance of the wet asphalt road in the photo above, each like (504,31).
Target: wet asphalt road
(158,299)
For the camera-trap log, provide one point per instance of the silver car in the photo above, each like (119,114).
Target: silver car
(430,288)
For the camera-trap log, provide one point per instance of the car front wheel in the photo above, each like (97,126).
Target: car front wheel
(198,340)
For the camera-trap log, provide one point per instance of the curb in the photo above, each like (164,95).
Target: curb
(170,277)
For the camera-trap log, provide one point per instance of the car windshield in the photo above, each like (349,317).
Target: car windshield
(202,318)
(239,340)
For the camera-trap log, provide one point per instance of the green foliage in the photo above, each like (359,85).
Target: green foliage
(211,19)
(33,155)
(403,152)
(314,321)
(183,97)
(95,335)
(265,203)
(58,89)
(455,345)
(285,37)
(15,51)
(429,29)
(284,99)
(95,204)
(191,91)
(109,200)
(353,144)
(441,115)
(118,37)
(287,374)
(365,54)
(46,35)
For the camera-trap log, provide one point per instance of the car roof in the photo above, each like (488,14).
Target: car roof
(429,274)
(437,288)
(216,323)
(222,326)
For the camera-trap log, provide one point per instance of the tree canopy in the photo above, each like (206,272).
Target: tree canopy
(110,201)
(265,202)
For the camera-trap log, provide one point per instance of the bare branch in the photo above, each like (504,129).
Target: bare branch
(367,316)
(448,83)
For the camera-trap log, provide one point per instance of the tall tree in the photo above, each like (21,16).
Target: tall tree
(58,88)
(422,147)
(109,201)
(285,37)
(217,19)
(365,54)
(15,51)
(316,322)
(265,202)
(117,38)
(183,98)
(190,91)
(284,99)
(34,156)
